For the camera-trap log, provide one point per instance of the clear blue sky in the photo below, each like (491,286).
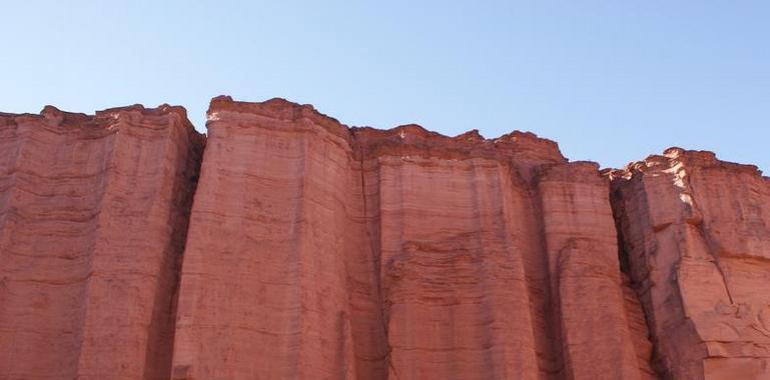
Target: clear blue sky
(611,81)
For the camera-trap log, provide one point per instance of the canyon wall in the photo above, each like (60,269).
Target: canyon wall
(696,242)
(93,221)
(319,251)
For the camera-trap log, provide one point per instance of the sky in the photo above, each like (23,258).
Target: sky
(610,81)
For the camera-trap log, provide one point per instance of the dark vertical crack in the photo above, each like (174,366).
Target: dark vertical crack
(187,185)
(377,262)
(622,221)
(551,310)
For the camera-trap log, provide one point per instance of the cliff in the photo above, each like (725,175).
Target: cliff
(316,250)
(93,221)
(696,243)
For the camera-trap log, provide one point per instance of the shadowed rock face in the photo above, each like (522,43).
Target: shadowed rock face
(313,250)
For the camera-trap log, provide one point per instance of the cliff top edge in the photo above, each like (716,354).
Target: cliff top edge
(407,134)
(673,156)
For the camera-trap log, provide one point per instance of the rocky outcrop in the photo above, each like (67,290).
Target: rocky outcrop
(316,250)
(321,251)
(93,220)
(697,245)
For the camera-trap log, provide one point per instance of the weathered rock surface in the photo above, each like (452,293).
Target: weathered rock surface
(696,241)
(313,250)
(93,219)
(319,251)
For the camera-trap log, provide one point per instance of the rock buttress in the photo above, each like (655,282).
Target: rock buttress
(93,216)
(276,227)
(697,243)
(587,292)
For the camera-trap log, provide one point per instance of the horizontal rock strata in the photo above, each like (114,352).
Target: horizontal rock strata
(319,251)
(93,220)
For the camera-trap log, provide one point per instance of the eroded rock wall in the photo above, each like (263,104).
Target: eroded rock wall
(93,220)
(587,286)
(696,240)
(277,217)
(315,250)
(321,251)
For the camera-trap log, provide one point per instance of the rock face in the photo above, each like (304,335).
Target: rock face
(318,251)
(93,220)
(696,241)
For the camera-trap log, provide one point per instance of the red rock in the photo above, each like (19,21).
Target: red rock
(93,216)
(695,232)
(321,251)
(596,336)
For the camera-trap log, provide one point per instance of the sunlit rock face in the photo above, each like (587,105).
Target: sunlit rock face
(696,239)
(298,247)
(93,219)
(321,251)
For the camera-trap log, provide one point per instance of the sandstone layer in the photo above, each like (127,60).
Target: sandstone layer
(315,250)
(93,220)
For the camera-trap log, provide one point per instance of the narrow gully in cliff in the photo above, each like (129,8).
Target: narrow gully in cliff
(555,366)
(192,170)
(375,257)
(619,216)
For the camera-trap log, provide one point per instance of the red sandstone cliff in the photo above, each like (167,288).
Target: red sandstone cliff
(696,238)
(317,251)
(93,218)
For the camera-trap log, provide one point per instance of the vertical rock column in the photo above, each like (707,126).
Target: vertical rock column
(586,284)
(697,239)
(453,280)
(92,225)
(458,252)
(128,330)
(265,291)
